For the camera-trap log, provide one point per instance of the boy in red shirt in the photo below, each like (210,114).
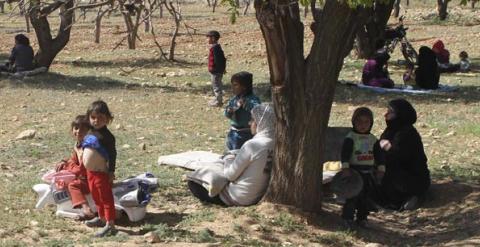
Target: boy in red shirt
(216,67)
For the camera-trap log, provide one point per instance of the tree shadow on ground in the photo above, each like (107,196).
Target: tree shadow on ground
(131,62)
(450,214)
(57,81)
(169,219)
(351,94)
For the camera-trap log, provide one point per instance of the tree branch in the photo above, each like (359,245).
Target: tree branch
(89,6)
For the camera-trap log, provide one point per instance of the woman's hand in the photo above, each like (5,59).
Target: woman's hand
(385,144)
(346,172)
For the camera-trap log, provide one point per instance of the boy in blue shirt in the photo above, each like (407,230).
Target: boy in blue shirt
(238,109)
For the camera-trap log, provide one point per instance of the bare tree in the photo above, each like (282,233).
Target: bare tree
(50,46)
(177,17)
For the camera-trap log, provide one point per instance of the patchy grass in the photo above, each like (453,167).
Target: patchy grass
(163,105)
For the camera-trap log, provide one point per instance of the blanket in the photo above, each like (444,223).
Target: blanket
(208,168)
(409,89)
(191,160)
(22,74)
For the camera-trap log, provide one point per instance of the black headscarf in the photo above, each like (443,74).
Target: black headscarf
(363,111)
(427,74)
(405,117)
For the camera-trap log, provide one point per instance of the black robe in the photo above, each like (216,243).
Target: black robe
(406,172)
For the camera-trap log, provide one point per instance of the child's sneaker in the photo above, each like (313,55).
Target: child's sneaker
(95,222)
(108,230)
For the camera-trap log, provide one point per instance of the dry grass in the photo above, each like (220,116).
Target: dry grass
(169,115)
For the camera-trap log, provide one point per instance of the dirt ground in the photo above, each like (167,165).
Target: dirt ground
(162,106)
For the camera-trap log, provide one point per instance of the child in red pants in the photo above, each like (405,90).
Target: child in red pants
(78,187)
(99,156)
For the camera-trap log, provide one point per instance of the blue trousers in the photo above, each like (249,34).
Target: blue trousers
(235,138)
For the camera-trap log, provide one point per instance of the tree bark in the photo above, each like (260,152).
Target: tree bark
(373,30)
(442,9)
(247,5)
(302,92)
(98,24)
(49,47)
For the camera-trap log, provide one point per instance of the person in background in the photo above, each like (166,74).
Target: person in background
(216,67)
(427,74)
(464,62)
(21,57)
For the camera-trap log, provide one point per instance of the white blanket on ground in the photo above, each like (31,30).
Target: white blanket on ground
(411,90)
(191,160)
(208,169)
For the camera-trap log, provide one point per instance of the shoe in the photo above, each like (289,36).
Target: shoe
(349,225)
(411,204)
(362,223)
(108,230)
(215,103)
(95,222)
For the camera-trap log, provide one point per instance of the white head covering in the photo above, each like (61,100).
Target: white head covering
(264,117)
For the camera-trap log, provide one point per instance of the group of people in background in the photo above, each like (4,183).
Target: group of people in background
(431,62)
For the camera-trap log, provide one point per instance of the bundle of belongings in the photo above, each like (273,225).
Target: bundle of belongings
(131,195)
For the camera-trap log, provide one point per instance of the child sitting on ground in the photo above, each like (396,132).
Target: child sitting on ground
(99,157)
(409,75)
(21,57)
(238,109)
(359,150)
(464,62)
(78,187)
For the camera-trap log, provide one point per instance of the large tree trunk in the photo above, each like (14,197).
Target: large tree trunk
(442,9)
(373,30)
(302,91)
(49,47)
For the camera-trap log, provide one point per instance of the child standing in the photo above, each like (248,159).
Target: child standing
(99,157)
(238,109)
(216,67)
(78,188)
(359,150)
(21,57)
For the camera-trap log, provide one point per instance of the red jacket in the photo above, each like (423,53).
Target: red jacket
(74,165)
(216,60)
(443,55)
